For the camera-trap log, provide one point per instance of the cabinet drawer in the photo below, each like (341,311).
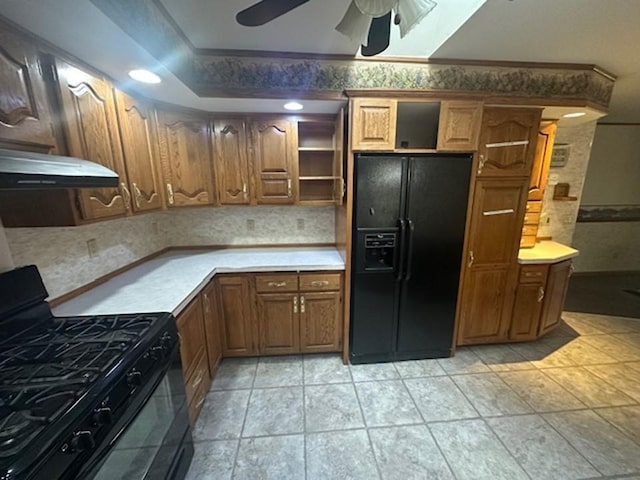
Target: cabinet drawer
(277,283)
(319,282)
(533,207)
(198,379)
(532,218)
(197,398)
(533,273)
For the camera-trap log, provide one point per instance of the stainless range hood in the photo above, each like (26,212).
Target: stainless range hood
(25,170)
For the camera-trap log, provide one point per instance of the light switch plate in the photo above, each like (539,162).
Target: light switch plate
(553,179)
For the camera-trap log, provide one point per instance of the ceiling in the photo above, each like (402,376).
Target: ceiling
(575,31)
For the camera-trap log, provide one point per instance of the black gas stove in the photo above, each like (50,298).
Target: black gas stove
(81,397)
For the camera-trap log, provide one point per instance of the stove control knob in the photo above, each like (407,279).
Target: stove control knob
(102,416)
(82,441)
(157,352)
(134,378)
(166,342)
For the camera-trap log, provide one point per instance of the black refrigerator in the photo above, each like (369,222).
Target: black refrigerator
(408,235)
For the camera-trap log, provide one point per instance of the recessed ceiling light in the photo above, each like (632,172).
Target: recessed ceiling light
(574,115)
(144,76)
(293,106)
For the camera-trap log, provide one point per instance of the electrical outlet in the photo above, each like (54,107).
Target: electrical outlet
(155,229)
(92,247)
(300,223)
(251,224)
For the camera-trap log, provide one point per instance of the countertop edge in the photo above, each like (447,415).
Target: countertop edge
(555,259)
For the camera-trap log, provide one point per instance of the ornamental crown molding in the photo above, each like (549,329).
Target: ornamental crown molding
(219,73)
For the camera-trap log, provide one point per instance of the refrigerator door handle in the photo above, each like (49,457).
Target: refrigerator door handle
(400,247)
(409,250)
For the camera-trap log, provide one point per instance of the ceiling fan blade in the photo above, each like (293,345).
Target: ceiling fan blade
(265,11)
(378,39)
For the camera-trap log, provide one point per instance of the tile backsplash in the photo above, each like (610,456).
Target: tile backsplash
(63,253)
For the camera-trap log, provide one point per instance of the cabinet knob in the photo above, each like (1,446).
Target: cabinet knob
(302,304)
(319,283)
(277,284)
(295,304)
(244,191)
(289,189)
(471,258)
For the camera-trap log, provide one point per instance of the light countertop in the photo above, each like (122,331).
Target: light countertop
(546,252)
(169,282)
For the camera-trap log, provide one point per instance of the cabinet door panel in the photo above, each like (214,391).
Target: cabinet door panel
(185,155)
(374,123)
(278,323)
(542,161)
(320,322)
(485,311)
(140,148)
(235,314)
(496,223)
(212,327)
(25,119)
(525,319)
(459,125)
(91,128)
(555,295)
(508,141)
(274,161)
(232,169)
(190,325)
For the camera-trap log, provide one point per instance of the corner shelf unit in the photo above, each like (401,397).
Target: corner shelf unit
(320,162)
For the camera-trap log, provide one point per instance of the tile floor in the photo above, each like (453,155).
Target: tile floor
(564,407)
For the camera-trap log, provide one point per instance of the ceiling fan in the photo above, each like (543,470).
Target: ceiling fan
(366,21)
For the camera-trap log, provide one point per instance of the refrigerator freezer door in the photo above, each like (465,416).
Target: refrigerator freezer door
(436,208)
(379,191)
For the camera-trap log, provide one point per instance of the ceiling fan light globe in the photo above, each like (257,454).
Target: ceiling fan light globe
(412,12)
(375,8)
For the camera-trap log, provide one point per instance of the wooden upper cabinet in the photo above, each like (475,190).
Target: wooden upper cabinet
(185,156)
(498,211)
(459,125)
(140,147)
(234,300)
(278,323)
(555,295)
(274,148)
(374,123)
(542,160)
(89,122)
(230,156)
(508,139)
(25,119)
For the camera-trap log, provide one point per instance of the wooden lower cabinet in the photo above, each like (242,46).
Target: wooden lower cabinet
(485,310)
(236,316)
(193,354)
(527,305)
(278,323)
(555,295)
(320,322)
(212,327)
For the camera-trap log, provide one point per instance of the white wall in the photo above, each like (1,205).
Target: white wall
(613,179)
(63,258)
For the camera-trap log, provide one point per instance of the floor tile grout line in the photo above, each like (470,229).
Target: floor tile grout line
(304,422)
(366,429)
(506,449)
(244,421)
(594,410)
(559,432)
(424,422)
